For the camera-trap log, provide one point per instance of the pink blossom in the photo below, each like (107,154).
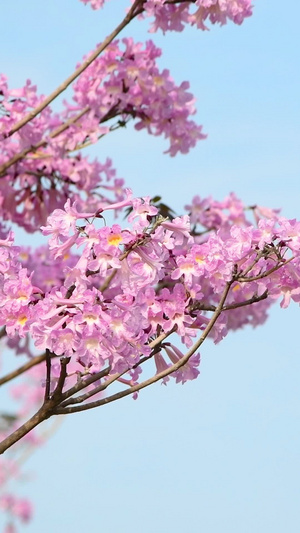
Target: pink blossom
(142,209)
(189,370)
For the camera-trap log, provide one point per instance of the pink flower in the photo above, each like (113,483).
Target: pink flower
(189,370)
(180,229)
(142,210)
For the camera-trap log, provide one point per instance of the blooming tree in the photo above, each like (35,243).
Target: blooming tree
(102,311)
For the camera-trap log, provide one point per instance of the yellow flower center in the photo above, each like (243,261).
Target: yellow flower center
(114,239)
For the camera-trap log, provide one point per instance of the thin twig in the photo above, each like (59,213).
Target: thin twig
(57,394)
(15,373)
(48,375)
(250,301)
(243,279)
(88,142)
(108,280)
(82,384)
(198,306)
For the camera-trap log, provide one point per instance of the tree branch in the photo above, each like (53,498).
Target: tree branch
(244,279)
(48,375)
(198,306)
(35,420)
(42,414)
(15,373)
(57,394)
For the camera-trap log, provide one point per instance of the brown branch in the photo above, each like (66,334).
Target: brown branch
(244,279)
(60,129)
(108,279)
(42,414)
(198,306)
(48,375)
(250,301)
(259,256)
(15,373)
(51,406)
(23,430)
(85,383)
(48,408)
(130,15)
(57,394)
(112,113)
(88,142)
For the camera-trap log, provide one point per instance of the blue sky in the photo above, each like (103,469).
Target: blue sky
(220,454)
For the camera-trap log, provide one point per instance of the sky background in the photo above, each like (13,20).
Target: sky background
(219,454)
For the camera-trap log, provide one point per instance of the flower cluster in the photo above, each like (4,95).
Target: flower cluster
(95,4)
(16,289)
(174,15)
(102,307)
(127,83)
(38,167)
(38,170)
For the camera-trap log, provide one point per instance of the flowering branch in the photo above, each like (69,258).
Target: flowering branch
(51,401)
(42,143)
(55,133)
(130,15)
(173,368)
(100,388)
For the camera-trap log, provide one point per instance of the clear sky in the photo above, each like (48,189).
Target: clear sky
(220,454)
